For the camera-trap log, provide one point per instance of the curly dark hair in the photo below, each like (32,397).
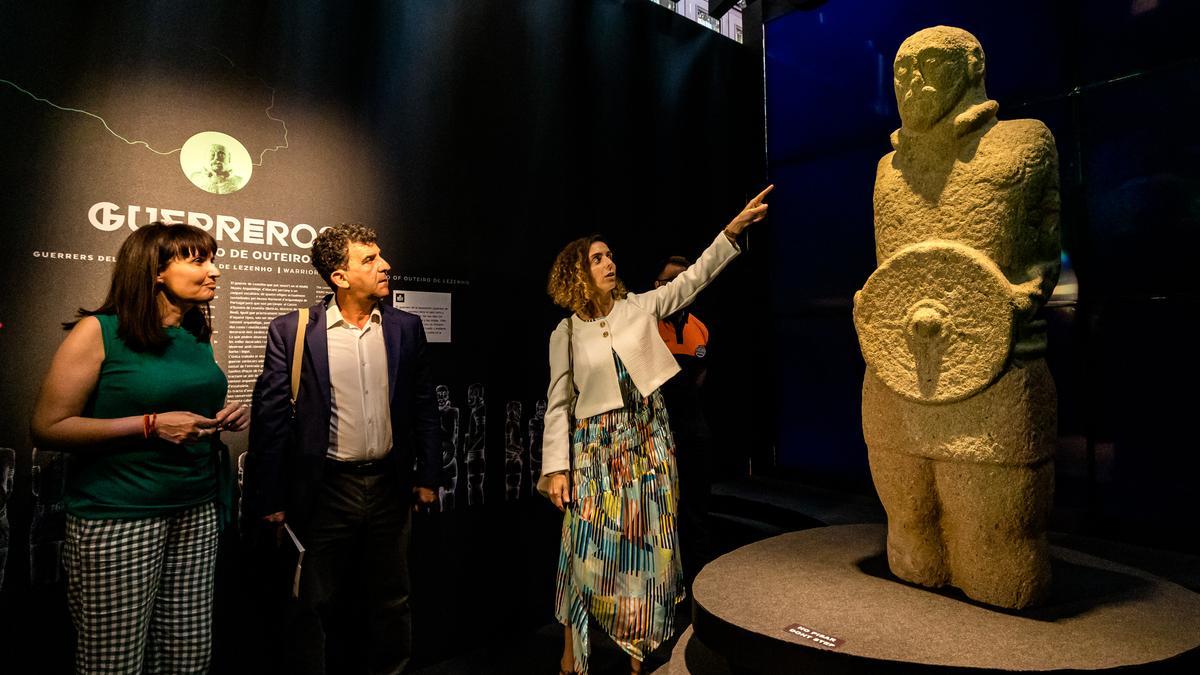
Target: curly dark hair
(331,248)
(570,284)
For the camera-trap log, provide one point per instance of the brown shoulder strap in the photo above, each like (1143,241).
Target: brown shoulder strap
(571,366)
(298,353)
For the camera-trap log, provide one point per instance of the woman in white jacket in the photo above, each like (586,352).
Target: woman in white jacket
(607,452)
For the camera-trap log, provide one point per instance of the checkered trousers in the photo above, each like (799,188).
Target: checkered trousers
(141,592)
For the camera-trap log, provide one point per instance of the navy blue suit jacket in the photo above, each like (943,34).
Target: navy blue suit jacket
(286,457)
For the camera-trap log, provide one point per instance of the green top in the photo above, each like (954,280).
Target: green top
(138,478)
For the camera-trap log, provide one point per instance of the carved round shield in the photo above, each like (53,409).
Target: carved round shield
(935,321)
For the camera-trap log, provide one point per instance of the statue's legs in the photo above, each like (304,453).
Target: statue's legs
(994,523)
(476,465)
(914,544)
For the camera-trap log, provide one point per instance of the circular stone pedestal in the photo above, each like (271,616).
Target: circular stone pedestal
(823,601)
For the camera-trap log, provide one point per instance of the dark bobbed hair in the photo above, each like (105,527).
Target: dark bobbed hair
(570,283)
(677,260)
(331,248)
(133,291)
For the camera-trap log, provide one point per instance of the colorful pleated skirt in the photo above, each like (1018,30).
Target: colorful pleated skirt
(619,562)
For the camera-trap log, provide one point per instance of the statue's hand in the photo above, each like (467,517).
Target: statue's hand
(1028,296)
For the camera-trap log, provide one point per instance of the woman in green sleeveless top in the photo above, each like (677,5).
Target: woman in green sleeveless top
(135,395)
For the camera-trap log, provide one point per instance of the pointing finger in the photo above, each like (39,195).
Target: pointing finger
(758,200)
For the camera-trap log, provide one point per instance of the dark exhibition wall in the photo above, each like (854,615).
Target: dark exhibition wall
(476,137)
(1114,81)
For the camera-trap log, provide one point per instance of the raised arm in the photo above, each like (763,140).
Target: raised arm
(1036,282)
(683,289)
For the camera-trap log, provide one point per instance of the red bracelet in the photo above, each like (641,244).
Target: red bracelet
(153,425)
(146,426)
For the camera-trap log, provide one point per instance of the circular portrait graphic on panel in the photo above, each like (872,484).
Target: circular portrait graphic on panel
(216,162)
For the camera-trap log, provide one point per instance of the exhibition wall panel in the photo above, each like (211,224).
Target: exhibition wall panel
(476,137)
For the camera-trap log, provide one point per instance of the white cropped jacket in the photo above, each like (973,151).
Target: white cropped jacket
(631,330)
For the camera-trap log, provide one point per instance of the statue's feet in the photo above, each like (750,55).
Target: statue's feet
(918,558)
(1015,576)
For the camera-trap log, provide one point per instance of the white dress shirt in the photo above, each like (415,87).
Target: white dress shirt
(360,424)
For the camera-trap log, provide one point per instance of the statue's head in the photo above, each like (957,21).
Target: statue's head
(936,69)
(442,392)
(218,157)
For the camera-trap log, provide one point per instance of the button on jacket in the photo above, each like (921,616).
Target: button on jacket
(630,330)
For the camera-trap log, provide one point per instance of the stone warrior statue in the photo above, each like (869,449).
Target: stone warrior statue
(537,427)
(449,415)
(476,442)
(514,450)
(958,404)
(8,466)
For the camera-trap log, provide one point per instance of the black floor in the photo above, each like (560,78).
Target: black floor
(745,511)
(742,512)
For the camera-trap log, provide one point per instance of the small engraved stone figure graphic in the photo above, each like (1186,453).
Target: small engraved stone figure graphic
(450,418)
(48,529)
(537,427)
(8,465)
(958,403)
(514,451)
(217,175)
(476,442)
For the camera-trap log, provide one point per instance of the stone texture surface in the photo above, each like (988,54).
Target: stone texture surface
(958,405)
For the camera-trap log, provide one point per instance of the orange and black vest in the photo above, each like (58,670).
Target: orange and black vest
(686,336)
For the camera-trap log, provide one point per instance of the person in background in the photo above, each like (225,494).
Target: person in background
(135,394)
(687,339)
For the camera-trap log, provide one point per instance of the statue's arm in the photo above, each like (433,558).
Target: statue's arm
(1042,273)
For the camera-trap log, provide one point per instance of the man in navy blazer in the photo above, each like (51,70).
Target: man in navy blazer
(338,465)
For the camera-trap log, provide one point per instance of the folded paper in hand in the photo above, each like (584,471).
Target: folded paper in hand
(295,549)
